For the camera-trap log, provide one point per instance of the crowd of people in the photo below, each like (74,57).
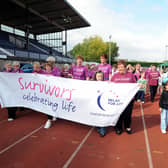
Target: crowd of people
(150,81)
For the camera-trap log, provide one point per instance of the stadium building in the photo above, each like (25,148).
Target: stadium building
(32,30)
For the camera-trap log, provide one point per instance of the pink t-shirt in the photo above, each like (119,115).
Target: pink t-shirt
(123,78)
(48,73)
(64,73)
(147,73)
(106,69)
(56,71)
(7,71)
(39,72)
(79,72)
(137,75)
(18,71)
(92,73)
(153,78)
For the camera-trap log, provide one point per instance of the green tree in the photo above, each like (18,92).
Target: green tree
(91,48)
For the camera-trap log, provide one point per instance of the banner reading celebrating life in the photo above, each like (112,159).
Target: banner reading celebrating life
(87,102)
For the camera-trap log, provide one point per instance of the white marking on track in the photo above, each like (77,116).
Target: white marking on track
(78,148)
(20,140)
(146,139)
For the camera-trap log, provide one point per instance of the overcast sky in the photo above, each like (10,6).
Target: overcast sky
(140,27)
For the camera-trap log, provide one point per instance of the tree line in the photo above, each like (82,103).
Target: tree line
(93,47)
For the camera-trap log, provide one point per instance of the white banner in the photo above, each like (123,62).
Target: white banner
(87,102)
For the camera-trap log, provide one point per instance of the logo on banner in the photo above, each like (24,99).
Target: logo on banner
(107,100)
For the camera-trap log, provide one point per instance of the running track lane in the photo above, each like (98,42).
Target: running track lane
(60,142)
(158,141)
(45,148)
(14,130)
(3,114)
(115,151)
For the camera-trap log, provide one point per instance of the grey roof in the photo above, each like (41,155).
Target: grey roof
(40,16)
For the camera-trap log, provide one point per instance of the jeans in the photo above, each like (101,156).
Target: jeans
(101,130)
(140,95)
(164,119)
(153,90)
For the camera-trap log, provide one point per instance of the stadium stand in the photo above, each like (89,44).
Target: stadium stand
(37,18)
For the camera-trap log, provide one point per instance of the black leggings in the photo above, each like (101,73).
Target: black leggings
(153,90)
(49,117)
(125,117)
(12,112)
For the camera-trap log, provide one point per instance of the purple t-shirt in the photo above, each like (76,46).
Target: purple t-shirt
(153,78)
(106,69)
(123,78)
(79,72)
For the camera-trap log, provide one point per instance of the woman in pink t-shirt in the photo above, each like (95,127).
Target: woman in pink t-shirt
(153,78)
(65,71)
(137,75)
(49,71)
(8,67)
(16,67)
(37,69)
(104,67)
(55,71)
(11,110)
(79,71)
(93,70)
(137,72)
(124,77)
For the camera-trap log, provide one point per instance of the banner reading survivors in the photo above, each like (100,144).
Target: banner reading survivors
(87,102)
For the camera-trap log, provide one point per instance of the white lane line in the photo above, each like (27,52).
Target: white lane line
(20,140)
(78,148)
(146,139)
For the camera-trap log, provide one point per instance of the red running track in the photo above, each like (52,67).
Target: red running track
(24,143)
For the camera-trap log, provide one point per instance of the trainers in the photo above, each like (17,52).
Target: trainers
(163,131)
(129,130)
(102,134)
(10,119)
(54,118)
(118,132)
(47,124)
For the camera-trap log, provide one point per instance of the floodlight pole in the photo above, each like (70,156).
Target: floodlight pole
(166,46)
(110,49)
(66,43)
